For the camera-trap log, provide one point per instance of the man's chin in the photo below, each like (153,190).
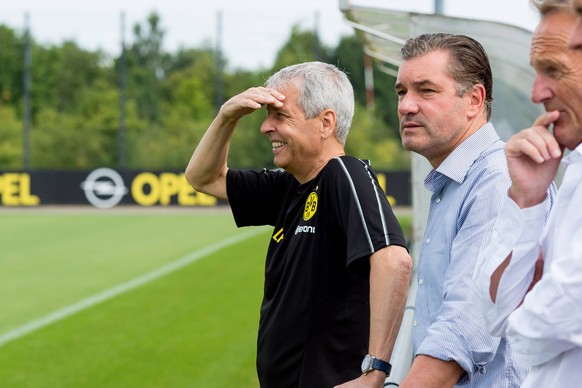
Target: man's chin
(409,145)
(278,163)
(565,136)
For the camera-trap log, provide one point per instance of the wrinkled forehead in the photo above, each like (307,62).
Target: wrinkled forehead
(552,34)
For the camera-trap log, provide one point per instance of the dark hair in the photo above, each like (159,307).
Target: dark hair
(468,61)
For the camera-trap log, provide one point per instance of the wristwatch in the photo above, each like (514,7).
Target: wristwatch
(371,363)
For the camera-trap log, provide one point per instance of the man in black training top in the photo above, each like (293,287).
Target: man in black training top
(337,270)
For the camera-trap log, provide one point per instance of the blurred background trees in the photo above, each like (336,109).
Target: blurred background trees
(170,99)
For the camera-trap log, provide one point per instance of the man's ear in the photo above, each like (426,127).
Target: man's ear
(476,96)
(328,121)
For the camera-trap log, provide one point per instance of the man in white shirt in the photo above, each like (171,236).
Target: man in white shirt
(529,276)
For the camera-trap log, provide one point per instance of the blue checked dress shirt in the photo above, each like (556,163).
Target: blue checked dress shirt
(467,193)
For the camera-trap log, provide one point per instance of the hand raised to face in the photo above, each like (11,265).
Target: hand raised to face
(533,157)
(251,100)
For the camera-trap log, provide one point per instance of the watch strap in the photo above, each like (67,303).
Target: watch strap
(381,365)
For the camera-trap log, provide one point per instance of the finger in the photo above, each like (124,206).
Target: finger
(275,93)
(528,143)
(547,118)
(266,96)
(544,121)
(253,104)
(244,103)
(275,98)
(546,143)
(527,148)
(536,142)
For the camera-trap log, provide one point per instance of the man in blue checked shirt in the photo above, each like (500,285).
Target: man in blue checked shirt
(444,88)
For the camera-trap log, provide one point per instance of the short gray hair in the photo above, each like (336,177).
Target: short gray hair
(321,86)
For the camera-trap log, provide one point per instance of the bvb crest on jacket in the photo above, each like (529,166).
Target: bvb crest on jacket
(310,206)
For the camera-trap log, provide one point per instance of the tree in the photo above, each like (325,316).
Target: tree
(147,66)
(369,138)
(11,58)
(374,134)
(349,55)
(60,74)
(11,70)
(302,46)
(187,110)
(170,102)
(10,138)
(191,82)
(74,108)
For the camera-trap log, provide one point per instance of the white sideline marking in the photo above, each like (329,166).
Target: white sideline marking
(84,304)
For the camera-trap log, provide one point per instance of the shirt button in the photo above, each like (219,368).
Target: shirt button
(421,280)
(415,323)
(428,240)
(438,199)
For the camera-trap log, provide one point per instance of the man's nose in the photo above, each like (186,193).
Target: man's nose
(407,105)
(542,90)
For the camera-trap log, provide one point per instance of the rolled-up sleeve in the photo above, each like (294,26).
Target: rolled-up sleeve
(459,335)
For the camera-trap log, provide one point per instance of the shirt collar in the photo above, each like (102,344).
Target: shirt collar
(574,156)
(457,164)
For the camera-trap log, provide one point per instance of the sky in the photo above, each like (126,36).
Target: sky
(251,30)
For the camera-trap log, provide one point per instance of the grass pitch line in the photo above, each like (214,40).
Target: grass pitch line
(91,301)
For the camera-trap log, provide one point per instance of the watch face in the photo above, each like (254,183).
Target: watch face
(366,363)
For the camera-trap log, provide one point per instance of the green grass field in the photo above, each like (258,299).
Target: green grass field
(113,299)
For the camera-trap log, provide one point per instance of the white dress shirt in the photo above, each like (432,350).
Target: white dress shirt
(545,331)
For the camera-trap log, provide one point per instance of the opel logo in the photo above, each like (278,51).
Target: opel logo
(104,188)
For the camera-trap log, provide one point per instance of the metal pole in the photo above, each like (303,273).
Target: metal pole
(369,82)
(317,44)
(122,90)
(27,105)
(344,5)
(218,62)
(439,7)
